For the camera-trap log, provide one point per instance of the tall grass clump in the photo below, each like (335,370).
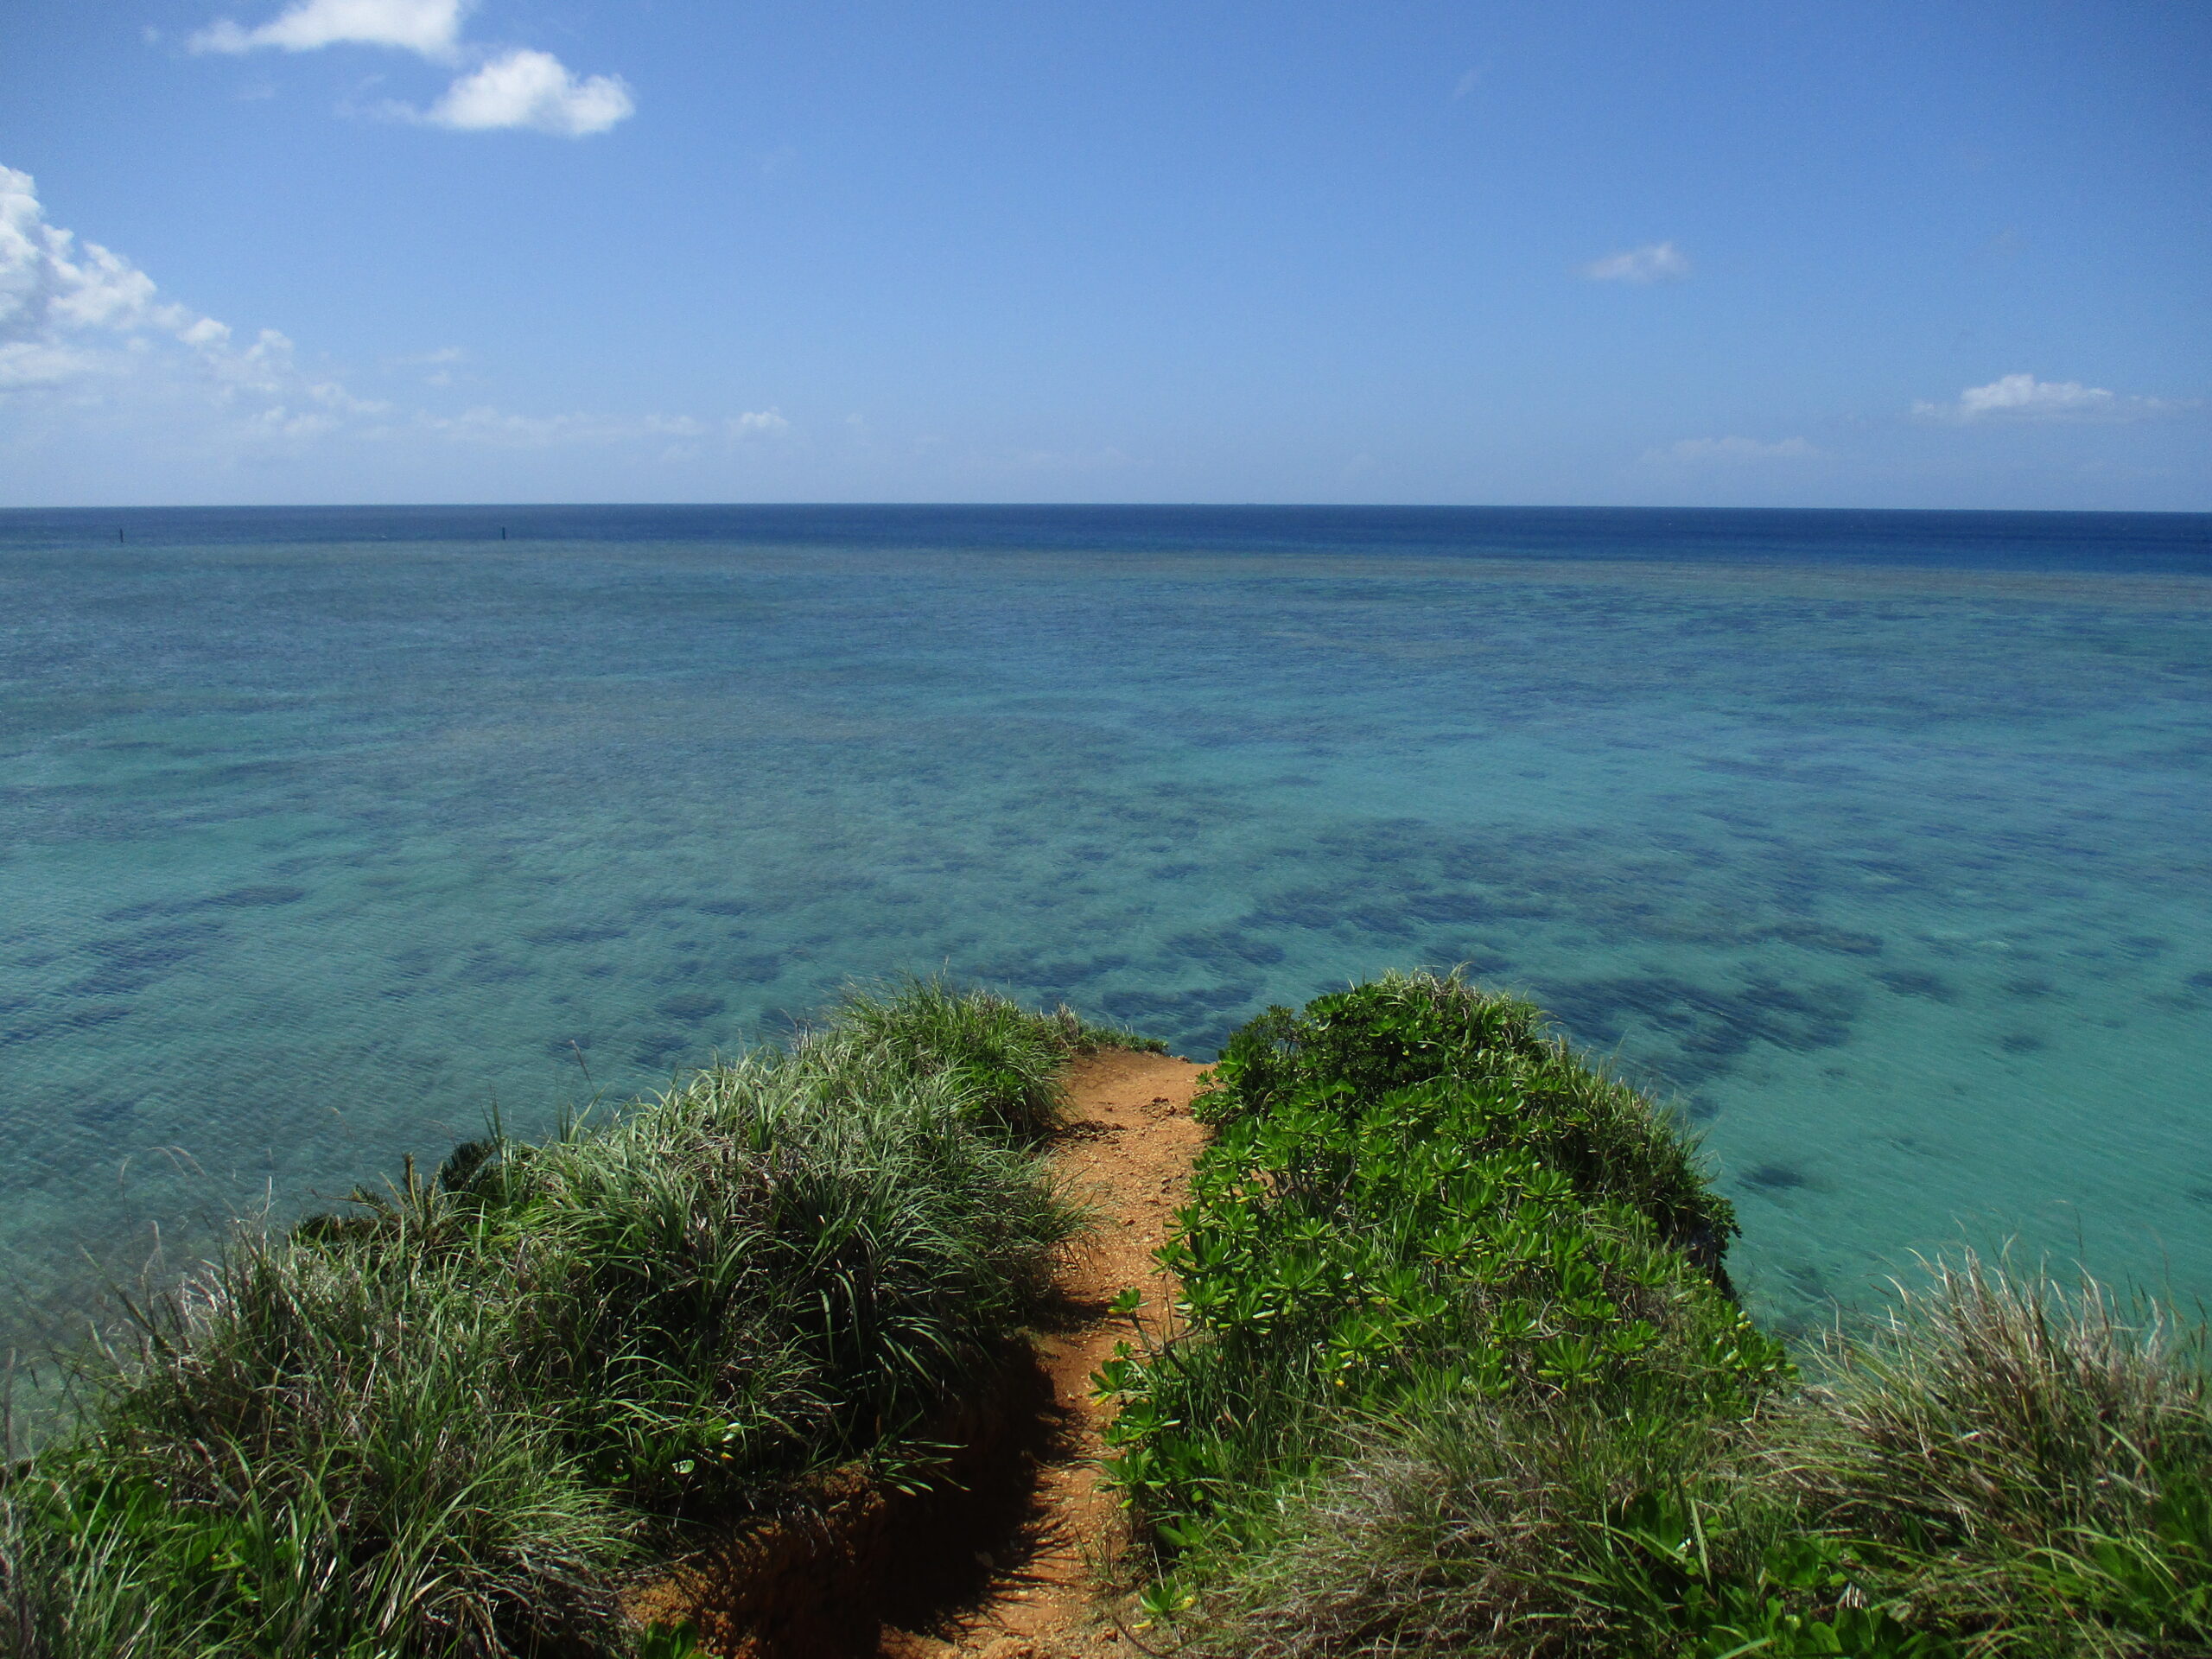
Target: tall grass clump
(2027,1460)
(443,1422)
(1008,1058)
(1457,1374)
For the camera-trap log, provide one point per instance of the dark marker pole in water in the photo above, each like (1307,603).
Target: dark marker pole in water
(503,532)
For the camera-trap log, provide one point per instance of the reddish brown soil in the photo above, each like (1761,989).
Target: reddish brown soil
(1002,1558)
(1127,1151)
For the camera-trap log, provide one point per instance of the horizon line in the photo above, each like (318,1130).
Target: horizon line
(1081,507)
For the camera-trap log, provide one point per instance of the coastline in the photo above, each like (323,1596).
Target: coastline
(826,1294)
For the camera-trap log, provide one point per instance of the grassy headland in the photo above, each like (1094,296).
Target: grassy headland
(1461,1376)
(1455,1369)
(446,1422)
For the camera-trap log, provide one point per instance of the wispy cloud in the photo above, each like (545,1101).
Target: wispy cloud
(1730,452)
(438,363)
(2022,398)
(79,320)
(513,88)
(88,335)
(1655,262)
(495,428)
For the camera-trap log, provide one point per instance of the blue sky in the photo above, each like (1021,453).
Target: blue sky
(1847,254)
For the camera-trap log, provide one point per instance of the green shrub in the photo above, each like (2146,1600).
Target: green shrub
(2000,1466)
(1458,1376)
(1412,1199)
(1409,1029)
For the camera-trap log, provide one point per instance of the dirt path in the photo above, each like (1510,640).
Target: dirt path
(999,1558)
(1128,1152)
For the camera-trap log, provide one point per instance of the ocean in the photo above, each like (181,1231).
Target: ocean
(1880,842)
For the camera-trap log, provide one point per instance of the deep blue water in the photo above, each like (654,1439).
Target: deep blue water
(1877,839)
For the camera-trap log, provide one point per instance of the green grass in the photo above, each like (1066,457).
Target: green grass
(449,1420)
(1352,1251)
(2023,1459)
(1008,1058)
(1458,1373)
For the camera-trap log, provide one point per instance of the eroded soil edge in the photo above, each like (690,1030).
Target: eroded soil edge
(1001,1558)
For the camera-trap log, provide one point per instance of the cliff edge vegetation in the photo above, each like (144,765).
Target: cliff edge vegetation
(1445,1361)
(451,1418)
(1460,1374)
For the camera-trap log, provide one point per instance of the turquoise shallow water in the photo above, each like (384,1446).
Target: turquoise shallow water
(1878,839)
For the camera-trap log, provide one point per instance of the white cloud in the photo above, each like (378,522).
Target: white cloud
(31,363)
(2014,397)
(1730,452)
(1655,262)
(93,355)
(534,90)
(429,27)
(517,87)
(439,364)
(495,428)
(73,311)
